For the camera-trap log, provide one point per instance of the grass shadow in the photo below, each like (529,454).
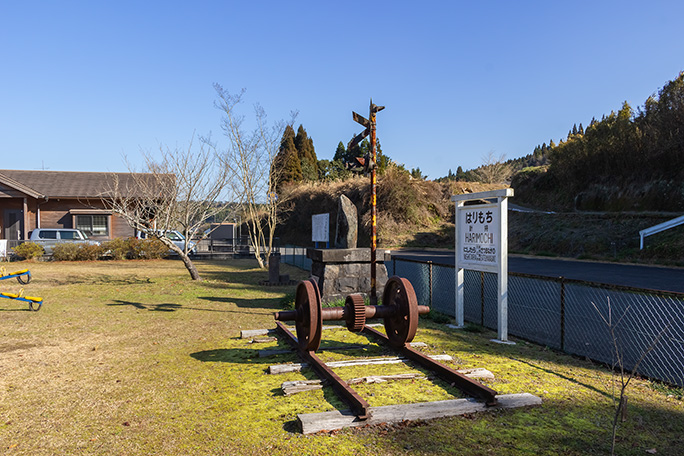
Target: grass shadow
(564,377)
(165,307)
(230,355)
(263,303)
(15,310)
(169,307)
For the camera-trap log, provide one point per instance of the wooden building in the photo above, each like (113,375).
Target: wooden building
(59,199)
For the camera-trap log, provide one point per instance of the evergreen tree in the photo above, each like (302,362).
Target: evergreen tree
(286,162)
(290,165)
(307,155)
(460,175)
(340,152)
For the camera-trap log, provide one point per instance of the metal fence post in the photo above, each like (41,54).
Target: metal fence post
(430,279)
(562,314)
(482,298)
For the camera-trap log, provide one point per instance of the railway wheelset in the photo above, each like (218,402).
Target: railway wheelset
(399,311)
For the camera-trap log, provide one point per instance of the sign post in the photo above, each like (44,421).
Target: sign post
(482,245)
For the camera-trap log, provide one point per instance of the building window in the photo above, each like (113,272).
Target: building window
(92,225)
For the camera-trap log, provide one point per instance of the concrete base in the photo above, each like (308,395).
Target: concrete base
(340,272)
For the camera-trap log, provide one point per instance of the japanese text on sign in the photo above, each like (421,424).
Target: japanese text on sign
(478,234)
(320,227)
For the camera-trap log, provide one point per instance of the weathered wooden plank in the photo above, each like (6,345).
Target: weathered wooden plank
(300,386)
(250,333)
(384,378)
(330,421)
(263,340)
(295,367)
(476,373)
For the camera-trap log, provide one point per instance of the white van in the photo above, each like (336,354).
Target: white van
(174,236)
(49,237)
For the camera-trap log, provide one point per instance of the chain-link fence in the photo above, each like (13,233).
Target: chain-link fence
(296,256)
(569,315)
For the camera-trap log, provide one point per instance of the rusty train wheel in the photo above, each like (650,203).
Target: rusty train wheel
(309,322)
(355,312)
(402,325)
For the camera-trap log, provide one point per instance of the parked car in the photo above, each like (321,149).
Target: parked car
(174,236)
(49,237)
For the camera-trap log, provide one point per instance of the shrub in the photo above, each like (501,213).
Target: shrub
(117,249)
(89,252)
(65,251)
(147,249)
(28,250)
(71,251)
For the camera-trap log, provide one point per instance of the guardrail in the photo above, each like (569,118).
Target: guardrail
(659,228)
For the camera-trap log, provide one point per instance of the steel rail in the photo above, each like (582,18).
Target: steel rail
(358,405)
(465,384)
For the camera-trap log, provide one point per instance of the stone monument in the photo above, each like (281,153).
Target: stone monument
(346,269)
(347,231)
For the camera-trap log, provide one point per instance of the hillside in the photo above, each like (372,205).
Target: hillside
(418,213)
(410,211)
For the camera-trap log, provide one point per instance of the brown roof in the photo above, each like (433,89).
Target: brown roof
(62,184)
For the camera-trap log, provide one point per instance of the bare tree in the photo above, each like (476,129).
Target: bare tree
(181,190)
(618,364)
(494,170)
(252,171)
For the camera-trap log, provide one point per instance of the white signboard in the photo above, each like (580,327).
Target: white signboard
(479,229)
(482,245)
(3,248)
(320,227)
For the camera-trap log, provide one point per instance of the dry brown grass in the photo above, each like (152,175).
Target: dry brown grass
(132,358)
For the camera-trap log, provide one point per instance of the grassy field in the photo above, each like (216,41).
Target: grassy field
(132,358)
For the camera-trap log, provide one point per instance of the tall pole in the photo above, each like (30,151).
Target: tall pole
(369,165)
(374,222)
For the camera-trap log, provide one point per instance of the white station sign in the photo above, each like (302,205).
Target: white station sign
(479,231)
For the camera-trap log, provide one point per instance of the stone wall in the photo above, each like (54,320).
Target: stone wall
(340,272)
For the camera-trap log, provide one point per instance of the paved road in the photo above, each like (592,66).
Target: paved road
(651,277)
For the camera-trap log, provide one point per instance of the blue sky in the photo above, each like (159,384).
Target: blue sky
(85,83)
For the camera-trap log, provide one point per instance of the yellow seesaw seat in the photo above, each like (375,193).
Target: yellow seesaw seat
(3,272)
(21,295)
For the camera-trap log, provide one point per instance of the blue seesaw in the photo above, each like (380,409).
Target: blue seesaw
(25,273)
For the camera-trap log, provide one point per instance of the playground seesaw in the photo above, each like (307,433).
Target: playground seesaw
(23,277)
(34,303)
